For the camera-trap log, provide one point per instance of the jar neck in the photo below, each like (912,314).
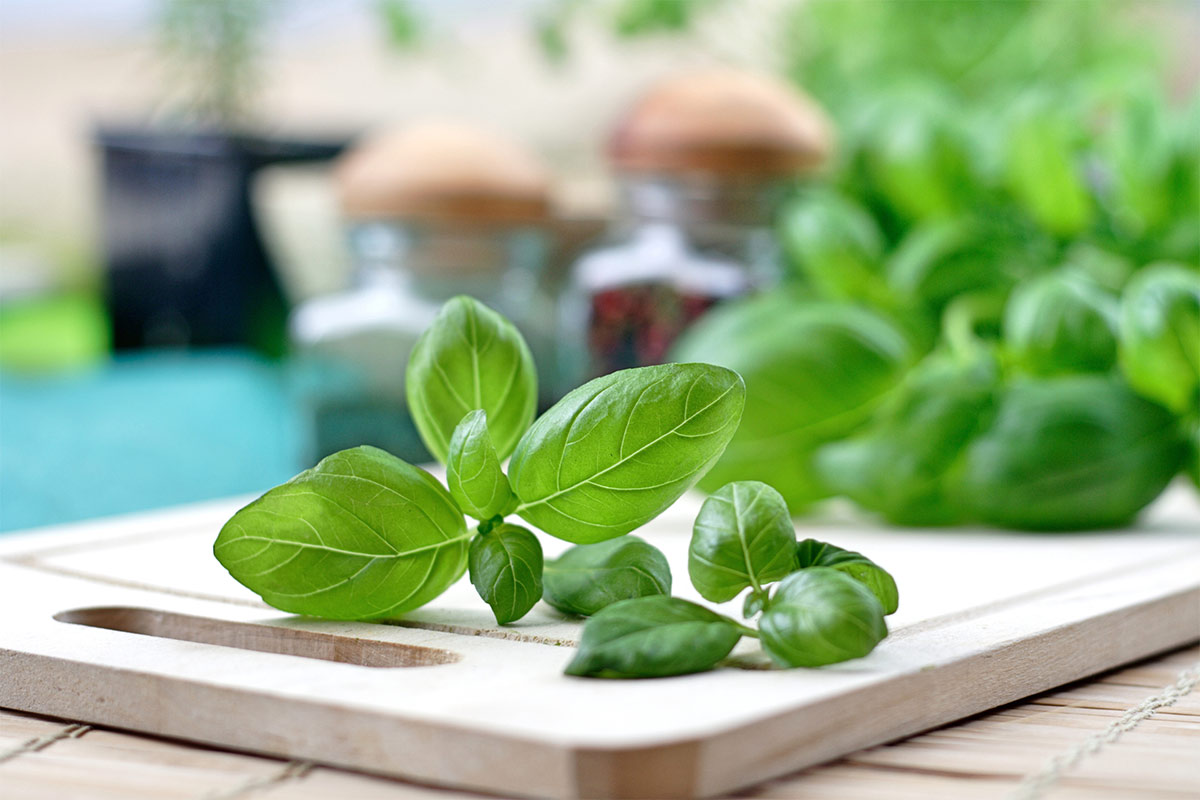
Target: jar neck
(700,202)
(439,262)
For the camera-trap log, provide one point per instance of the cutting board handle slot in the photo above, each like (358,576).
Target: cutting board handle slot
(263,638)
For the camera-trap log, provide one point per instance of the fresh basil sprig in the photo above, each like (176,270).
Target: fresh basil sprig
(828,607)
(364,535)
(589,577)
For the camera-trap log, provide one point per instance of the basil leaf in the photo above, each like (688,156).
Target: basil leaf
(362,535)
(473,470)
(588,577)
(616,452)
(1160,336)
(469,358)
(506,570)
(811,553)
(820,616)
(652,637)
(743,538)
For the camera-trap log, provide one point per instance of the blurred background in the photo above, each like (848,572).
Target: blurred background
(224,222)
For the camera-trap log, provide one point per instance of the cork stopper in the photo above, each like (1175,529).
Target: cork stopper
(722,122)
(442,172)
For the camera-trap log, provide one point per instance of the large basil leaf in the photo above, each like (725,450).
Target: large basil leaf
(362,535)
(820,616)
(742,538)
(1160,336)
(1061,323)
(1070,453)
(811,553)
(813,373)
(589,577)
(901,464)
(506,570)
(652,637)
(616,452)
(473,470)
(469,358)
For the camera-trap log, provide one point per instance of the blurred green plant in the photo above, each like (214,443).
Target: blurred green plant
(213,48)
(1005,172)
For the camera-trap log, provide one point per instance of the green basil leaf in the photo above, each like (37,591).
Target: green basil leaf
(469,358)
(506,570)
(473,470)
(811,553)
(362,535)
(1061,322)
(820,616)
(616,452)
(652,637)
(1160,336)
(589,577)
(1070,453)
(743,538)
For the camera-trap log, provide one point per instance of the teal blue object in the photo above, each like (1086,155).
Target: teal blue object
(143,431)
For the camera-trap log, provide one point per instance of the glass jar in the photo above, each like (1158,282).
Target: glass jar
(352,348)
(677,248)
(703,161)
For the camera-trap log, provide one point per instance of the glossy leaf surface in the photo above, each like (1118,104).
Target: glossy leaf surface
(812,553)
(506,570)
(616,452)
(470,358)
(742,538)
(653,637)
(821,616)
(473,470)
(362,535)
(1070,453)
(589,577)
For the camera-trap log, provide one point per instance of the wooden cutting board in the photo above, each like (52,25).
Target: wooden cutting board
(131,622)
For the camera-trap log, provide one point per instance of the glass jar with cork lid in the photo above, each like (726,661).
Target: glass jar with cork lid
(432,210)
(702,162)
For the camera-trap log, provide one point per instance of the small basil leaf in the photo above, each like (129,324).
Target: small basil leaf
(473,470)
(469,358)
(820,616)
(754,603)
(652,637)
(362,535)
(743,538)
(616,452)
(506,570)
(811,553)
(588,577)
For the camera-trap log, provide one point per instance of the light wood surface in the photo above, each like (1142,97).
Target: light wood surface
(986,618)
(982,758)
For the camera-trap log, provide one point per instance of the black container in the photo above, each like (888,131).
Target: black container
(186,264)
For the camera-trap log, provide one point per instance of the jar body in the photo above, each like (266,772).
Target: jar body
(675,251)
(351,348)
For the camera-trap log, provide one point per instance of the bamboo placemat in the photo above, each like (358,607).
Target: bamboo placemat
(1131,733)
